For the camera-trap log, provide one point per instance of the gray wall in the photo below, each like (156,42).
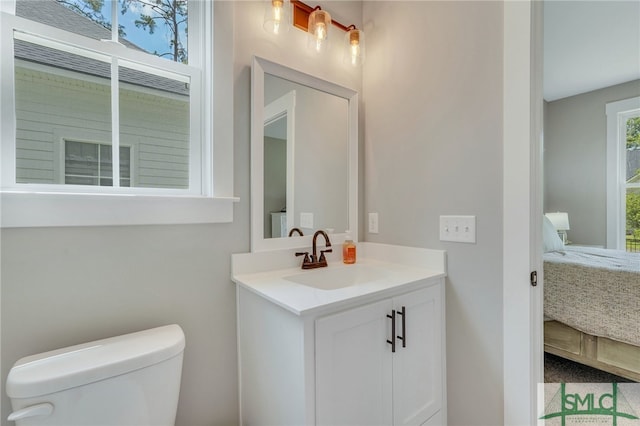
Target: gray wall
(63,286)
(433,146)
(575,157)
(275,179)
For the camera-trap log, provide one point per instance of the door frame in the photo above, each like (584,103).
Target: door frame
(522,210)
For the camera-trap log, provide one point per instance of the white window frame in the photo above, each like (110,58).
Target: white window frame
(209,200)
(617,115)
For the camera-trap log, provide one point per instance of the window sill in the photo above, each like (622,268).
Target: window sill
(26,209)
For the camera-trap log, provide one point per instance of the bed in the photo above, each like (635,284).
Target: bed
(592,307)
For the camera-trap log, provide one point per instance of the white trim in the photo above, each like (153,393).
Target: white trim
(521,301)
(85,209)
(617,114)
(536,196)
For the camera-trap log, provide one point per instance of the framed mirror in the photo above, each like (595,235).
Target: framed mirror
(304,157)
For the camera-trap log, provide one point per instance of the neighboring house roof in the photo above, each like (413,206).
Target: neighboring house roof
(52,13)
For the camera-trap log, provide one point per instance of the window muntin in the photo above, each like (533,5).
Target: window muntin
(142,100)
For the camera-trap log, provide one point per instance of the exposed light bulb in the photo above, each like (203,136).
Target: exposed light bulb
(354,51)
(320,34)
(275,17)
(318,27)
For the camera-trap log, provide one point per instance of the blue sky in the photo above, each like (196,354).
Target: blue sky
(158,41)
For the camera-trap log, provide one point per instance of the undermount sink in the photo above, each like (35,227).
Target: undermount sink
(337,277)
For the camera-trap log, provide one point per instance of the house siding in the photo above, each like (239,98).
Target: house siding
(52,107)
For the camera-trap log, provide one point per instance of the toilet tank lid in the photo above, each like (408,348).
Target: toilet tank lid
(90,362)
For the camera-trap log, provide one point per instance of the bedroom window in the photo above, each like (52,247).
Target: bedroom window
(632,176)
(623,175)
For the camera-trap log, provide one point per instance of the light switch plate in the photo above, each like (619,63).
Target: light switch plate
(460,229)
(306,220)
(373,223)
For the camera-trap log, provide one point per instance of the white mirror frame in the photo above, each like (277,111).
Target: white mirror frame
(260,67)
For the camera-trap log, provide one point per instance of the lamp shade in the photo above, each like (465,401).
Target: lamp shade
(560,220)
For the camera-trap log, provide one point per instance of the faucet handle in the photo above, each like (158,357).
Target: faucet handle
(306,256)
(322,257)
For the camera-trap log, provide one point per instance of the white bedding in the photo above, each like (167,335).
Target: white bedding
(594,290)
(616,260)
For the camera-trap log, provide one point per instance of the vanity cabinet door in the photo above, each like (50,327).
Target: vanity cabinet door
(361,381)
(354,367)
(417,366)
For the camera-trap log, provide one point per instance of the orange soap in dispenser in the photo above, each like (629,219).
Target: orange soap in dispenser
(348,249)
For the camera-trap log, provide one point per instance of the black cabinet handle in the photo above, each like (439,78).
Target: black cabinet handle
(392,342)
(402,313)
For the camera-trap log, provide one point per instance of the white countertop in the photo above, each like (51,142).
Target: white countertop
(266,274)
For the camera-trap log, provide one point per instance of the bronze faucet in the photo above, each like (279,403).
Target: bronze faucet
(314,262)
(294,230)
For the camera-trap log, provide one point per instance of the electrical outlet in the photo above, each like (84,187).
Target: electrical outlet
(306,220)
(460,229)
(373,223)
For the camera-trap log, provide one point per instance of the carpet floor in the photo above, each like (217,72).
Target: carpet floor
(560,370)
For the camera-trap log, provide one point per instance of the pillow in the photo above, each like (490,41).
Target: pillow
(550,239)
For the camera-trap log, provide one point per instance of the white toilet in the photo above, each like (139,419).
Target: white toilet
(125,380)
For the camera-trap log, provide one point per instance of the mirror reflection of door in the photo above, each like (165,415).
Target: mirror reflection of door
(278,166)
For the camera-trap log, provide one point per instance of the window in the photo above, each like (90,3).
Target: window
(68,68)
(623,174)
(91,164)
(632,182)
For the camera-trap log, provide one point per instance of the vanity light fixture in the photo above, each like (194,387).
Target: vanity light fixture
(316,22)
(276,17)
(318,29)
(354,40)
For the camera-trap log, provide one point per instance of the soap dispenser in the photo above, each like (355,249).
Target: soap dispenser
(348,249)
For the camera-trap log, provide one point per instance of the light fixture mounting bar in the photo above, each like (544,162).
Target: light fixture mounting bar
(301,12)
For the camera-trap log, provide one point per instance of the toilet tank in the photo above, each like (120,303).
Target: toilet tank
(132,379)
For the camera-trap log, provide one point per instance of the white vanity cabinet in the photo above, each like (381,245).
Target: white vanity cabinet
(336,366)
(368,375)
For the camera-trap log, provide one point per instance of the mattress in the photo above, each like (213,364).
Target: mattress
(594,290)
